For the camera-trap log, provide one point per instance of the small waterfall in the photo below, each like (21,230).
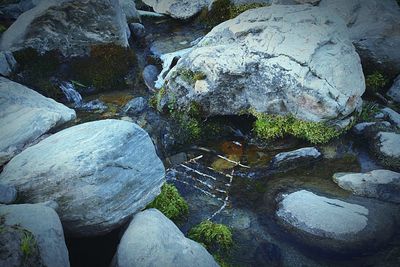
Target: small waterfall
(72,95)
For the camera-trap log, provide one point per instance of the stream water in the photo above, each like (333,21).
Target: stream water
(247,203)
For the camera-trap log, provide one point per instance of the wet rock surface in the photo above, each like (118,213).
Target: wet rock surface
(380,184)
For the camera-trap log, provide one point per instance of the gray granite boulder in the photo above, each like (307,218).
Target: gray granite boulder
(151,239)
(26,115)
(334,225)
(43,223)
(99,173)
(373,27)
(286,161)
(70,26)
(129,8)
(380,184)
(285,59)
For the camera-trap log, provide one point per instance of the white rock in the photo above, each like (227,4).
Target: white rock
(179,9)
(381,184)
(25,115)
(153,240)
(393,115)
(283,59)
(293,159)
(99,173)
(44,224)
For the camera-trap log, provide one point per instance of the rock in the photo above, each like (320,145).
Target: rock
(177,158)
(392,115)
(8,194)
(53,24)
(361,128)
(129,8)
(15,8)
(150,74)
(11,254)
(136,106)
(153,240)
(7,63)
(137,30)
(394,91)
(44,224)
(99,173)
(312,2)
(334,225)
(286,161)
(178,9)
(387,147)
(373,27)
(380,184)
(26,115)
(283,59)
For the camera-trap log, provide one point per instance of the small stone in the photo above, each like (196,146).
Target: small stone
(137,29)
(150,76)
(394,91)
(136,106)
(290,160)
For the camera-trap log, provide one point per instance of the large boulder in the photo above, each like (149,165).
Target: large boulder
(334,225)
(380,184)
(177,8)
(45,226)
(153,240)
(284,59)
(70,26)
(99,173)
(374,28)
(25,115)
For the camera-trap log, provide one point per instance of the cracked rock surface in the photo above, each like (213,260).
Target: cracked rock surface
(281,59)
(99,173)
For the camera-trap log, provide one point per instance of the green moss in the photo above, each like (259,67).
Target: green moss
(106,68)
(170,203)
(216,237)
(368,111)
(274,126)
(220,260)
(222,10)
(28,244)
(37,70)
(190,76)
(2,28)
(375,82)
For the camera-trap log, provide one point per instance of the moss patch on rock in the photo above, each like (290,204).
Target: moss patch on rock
(170,203)
(37,70)
(214,236)
(106,68)
(375,82)
(270,127)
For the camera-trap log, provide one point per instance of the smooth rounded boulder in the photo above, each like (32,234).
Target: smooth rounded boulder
(42,226)
(99,173)
(283,60)
(25,116)
(334,225)
(151,239)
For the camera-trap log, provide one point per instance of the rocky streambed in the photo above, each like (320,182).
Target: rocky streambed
(275,120)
